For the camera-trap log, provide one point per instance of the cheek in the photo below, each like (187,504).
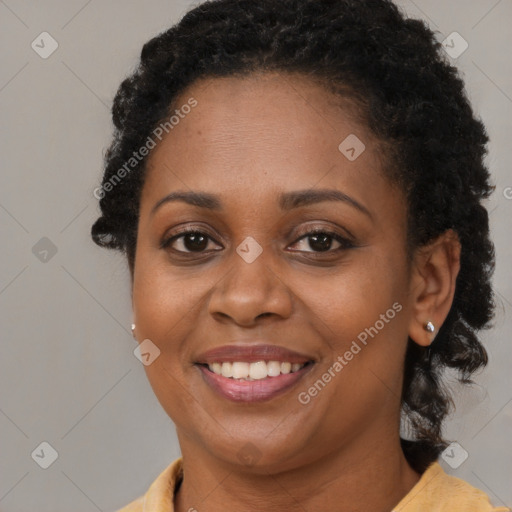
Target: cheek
(362,314)
(162,299)
(165,311)
(353,300)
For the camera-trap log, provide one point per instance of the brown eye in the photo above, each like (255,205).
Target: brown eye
(318,241)
(188,241)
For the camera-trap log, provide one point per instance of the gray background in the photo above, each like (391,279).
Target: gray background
(68,375)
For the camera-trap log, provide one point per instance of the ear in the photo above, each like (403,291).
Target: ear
(434,272)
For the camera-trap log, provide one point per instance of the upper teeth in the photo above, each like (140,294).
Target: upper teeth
(254,371)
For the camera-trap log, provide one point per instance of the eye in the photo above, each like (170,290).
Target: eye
(321,240)
(189,241)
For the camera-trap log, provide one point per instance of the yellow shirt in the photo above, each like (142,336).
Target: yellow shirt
(436,491)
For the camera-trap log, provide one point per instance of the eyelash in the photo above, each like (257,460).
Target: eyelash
(345,243)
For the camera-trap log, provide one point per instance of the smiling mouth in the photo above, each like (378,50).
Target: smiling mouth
(251,371)
(258,381)
(246,371)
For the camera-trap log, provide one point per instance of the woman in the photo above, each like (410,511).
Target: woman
(297,186)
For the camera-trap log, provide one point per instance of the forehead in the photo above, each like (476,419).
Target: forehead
(260,133)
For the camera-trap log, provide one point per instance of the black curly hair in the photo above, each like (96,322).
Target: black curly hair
(409,96)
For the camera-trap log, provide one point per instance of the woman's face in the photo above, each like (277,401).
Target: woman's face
(249,285)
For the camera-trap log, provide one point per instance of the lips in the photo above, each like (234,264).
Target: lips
(251,354)
(228,370)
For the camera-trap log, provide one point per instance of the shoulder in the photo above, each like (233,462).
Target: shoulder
(160,495)
(437,491)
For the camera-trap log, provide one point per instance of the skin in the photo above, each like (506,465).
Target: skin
(247,141)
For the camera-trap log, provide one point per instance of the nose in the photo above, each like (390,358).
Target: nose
(249,292)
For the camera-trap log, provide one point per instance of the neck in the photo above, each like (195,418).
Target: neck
(368,475)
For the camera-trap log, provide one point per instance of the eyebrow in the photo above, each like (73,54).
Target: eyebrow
(287,200)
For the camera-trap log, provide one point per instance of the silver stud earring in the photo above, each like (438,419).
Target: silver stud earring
(429,327)
(133,330)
